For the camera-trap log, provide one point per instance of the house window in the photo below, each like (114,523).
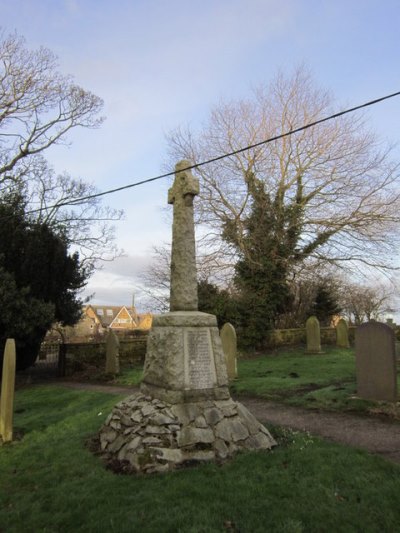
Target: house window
(109,312)
(100,312)
(122,320)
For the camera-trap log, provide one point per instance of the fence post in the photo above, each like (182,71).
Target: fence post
(62,359)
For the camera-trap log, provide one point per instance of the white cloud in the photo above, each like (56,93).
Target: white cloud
(118,280)
(160,64)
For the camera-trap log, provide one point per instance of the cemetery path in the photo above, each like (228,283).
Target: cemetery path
(381,437)
(378,436)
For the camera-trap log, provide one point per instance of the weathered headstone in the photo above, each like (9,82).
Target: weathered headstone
(313,335)
(112,353)
(342,334)
(184,412)
(7,392)
(229,346)
(376,362)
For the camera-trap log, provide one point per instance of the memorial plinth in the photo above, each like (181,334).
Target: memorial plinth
(184,359)
(184,412)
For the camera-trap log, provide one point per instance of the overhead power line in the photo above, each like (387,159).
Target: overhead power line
(83,199)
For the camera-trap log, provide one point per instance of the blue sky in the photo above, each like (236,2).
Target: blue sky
(160,64)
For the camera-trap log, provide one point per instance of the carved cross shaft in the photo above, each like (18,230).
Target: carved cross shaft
(183,256)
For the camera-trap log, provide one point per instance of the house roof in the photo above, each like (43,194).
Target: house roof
(123,313)
(107,314)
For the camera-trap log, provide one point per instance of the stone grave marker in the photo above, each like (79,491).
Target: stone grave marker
(313,335)
(342,334)
(184,412)
(229,346)
(112,353)
(376,362)
(7,392)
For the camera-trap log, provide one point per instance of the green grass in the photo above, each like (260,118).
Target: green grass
(291,371)
(129,376)
(50,482)
(325,381)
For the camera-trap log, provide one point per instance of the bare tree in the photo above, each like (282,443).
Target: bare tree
(363,303)
(38,105)
(155,279)
(337,177)
(54,199)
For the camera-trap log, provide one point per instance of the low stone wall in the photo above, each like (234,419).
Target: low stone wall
(295,336)
(85,354)
(285,337)
(133,349)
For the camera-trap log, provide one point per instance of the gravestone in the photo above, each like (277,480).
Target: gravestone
(229,346)
(7,392)
(376,362)
(342,334)
(313,335)
(112,353)
(184,412)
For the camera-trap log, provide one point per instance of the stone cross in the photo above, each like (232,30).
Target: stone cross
(183,295)
(7,392)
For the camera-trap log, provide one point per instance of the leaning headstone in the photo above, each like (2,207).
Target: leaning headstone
(376,362)
(7,392)
(112,353)
(342,334)
(184,412)
(229,347)
(313,335)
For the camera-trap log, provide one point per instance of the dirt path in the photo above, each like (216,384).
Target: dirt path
(373,434)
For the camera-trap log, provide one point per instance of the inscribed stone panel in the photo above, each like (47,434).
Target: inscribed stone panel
(200,370)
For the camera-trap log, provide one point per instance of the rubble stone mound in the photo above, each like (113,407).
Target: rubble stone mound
(152,435)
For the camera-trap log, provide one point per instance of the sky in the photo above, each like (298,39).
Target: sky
(159,65)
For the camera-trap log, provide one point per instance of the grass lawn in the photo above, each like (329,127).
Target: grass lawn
(325,381)
(50,482)
(130,376)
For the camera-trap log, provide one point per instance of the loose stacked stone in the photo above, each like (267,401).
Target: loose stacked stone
(149,435)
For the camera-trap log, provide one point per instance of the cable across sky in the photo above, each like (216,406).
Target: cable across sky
(83,199)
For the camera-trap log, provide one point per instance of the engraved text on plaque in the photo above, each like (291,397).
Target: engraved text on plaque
(199,359)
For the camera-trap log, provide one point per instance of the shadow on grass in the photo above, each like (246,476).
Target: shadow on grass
(51,482)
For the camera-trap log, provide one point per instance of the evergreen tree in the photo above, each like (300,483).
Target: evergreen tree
(325,305)
(218,302)
(39,281)
(265,252)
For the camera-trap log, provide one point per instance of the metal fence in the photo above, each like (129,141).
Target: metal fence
(51,359)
